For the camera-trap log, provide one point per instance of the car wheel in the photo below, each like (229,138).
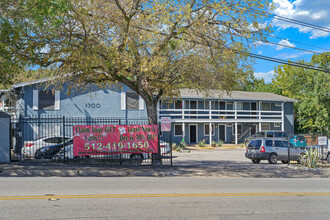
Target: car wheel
(272,158)
(284,161)
(137,158)
(256,161)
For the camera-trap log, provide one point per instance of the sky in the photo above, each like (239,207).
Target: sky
(316,12)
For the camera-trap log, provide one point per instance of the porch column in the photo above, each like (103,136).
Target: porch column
(236,140)
(259,116)
(210,133)
(183,131)
(282,106)
(183,109)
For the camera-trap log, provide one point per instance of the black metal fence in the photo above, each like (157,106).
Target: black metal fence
(50,140)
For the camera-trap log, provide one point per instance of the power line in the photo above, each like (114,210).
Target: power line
(289,20)
(276,60)
(322,48)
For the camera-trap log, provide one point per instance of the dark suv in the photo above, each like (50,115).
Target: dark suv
(272,150)
(266,134)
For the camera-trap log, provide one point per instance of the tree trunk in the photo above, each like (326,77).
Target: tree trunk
(152,119)
(152,112)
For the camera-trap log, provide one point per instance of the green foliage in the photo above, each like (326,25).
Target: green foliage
(311,88)
(220,143)
(258,85)
(201,143)
(154,47)
(310,158)
(213,144)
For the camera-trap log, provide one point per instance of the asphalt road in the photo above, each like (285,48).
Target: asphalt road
(163,198)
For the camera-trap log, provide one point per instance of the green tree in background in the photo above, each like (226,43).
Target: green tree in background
(312,89)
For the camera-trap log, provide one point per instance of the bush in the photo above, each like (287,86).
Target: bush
(310,158)
(220,143)
(213,144)
(201,143)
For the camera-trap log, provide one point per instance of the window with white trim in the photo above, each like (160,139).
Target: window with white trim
(206,105)
(177,104)
(46,100)
(265,106)
(178,130)
(207,129)
(132,100)
(239,105)
(265,126)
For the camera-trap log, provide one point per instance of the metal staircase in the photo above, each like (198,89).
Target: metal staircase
(241,136)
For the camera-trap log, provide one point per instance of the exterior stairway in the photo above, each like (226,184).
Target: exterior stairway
(241,136)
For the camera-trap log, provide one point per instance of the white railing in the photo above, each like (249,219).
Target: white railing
(220,114)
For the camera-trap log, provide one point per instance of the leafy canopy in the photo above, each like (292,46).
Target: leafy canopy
(155,47)
(311,88)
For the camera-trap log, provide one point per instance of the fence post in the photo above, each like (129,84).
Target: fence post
(171,144)
(64,140)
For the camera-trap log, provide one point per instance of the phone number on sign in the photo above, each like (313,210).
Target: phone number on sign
(116,146)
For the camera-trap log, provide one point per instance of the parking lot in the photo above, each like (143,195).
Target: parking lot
(232,163)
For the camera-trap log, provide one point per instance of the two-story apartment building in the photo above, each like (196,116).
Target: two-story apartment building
(195,117)
(229,117)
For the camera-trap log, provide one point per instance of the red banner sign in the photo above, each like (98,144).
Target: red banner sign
(112,139)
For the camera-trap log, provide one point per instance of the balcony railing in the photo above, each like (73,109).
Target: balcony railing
(220,114)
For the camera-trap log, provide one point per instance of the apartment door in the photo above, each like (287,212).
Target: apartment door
(222,134)
(193,133)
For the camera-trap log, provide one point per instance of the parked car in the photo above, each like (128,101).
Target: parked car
(30,147)
(49,151)
(67,153)
(272,150)
(266,134)
(298,140)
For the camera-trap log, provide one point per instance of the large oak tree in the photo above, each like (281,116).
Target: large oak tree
(155,47)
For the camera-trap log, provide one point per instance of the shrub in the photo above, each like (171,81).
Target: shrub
(220,143)
(201,143)
(213,144)
(310,158)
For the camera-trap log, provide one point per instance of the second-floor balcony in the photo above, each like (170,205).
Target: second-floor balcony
(220,115)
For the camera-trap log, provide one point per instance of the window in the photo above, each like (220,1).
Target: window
(278,104)
(132,100)
(239,105)
(256,144)
(229,106)
(265,127)
(207,129)
(278,144)
(269,143)
(265,106)
(277,125)
(270,134)
(178,104)
(178,130)
(46,100)
(206,105)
